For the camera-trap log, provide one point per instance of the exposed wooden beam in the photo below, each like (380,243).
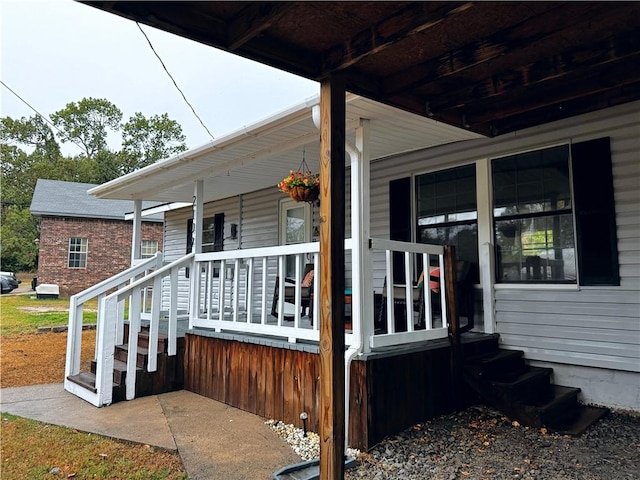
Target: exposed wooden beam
(569,108)
(511,44)
(254,19)
(404,23)
(595,62)
(332,268)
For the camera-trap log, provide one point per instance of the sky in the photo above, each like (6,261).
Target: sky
(53,52)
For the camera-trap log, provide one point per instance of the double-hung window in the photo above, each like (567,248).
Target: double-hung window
(148,248)
(554,215)
(77,252)
(447,211)
(533,217)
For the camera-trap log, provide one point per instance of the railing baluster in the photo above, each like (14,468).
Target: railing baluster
(391,324)
(408,290)
(132,353)
(236,291)
(154,327)
(173,312)
(426,292)
(248,294)
(263,314)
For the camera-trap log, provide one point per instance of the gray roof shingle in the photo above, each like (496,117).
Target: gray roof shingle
(70,199)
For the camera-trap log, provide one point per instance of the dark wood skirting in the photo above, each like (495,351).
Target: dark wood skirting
(389,392)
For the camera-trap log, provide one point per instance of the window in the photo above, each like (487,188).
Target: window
(212,234)
(78,252)
(295,227)
(148,248)
(447,211)
(533,217)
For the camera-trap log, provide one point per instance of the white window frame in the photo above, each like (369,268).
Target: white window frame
(148,248)
(83,253)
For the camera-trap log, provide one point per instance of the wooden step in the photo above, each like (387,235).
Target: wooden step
(531,386)
(500,365)
(119,371)
(84,379)
(586,416)
(142,356)
(560,408)
(143,341)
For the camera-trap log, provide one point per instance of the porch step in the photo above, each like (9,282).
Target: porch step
(119,371)
(86,380)
(143,341)
(503,380)
(498,365)
(142,355)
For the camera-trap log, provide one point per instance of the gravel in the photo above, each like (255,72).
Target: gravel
(480,443)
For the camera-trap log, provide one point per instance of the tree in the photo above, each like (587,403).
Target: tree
(147,140)
(86,122)
(29,150)
(33,132)
(18,234)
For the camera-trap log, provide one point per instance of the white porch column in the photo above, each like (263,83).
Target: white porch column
(198,206)
(485,243)
(136,234)
(362,294)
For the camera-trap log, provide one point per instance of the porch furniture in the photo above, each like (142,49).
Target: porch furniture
(400,305)
(465,296)
(465,280)
(290,292)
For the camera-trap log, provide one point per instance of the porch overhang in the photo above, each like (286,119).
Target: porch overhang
(490,67)
(260,155)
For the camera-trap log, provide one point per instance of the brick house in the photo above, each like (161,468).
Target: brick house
(84,239)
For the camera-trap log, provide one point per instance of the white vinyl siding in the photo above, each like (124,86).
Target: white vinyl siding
(589,326)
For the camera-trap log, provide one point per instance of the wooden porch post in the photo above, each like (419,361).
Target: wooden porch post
(332,232)
(451,274)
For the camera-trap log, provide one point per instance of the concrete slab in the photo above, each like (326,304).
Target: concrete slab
(219,441)
(214,440)
(140,420)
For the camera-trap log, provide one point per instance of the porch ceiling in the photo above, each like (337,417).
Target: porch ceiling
(490,67)
(260,155)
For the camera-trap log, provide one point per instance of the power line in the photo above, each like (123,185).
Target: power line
(41,115)
(174,82)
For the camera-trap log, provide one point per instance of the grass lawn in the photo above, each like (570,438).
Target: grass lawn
(25,313)
(34,450)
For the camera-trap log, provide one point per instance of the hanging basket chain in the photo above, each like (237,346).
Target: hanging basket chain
(301,185)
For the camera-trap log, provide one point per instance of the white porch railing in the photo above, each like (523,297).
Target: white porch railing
(434,325)
(131,285)
(234,291)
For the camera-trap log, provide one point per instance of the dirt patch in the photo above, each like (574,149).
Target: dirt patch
(35,359)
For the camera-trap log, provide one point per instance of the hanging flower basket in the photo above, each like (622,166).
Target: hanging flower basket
(304,194)
(301,185)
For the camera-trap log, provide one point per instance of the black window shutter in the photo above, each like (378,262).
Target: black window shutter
(399,221)
(189,243)
(597,243)
(189,236)
(218,232)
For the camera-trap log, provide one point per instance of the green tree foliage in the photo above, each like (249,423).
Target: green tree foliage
(33,132)
(147,140)
(30,149)
(87,123)
(18,234)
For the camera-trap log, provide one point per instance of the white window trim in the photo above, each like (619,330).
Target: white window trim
(86,253)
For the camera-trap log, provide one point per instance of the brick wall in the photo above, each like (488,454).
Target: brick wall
(108,250)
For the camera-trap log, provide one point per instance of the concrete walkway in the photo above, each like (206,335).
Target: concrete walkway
(215,441)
